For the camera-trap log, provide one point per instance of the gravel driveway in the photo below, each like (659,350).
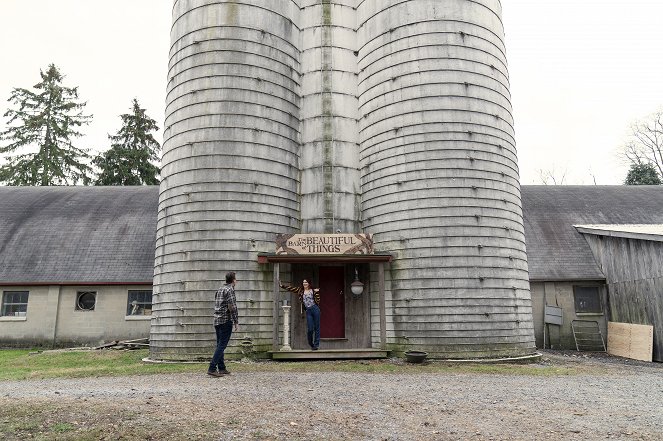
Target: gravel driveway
(606,399)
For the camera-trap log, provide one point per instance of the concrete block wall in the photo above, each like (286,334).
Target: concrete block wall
(38,326)
(107,322)
(53,320)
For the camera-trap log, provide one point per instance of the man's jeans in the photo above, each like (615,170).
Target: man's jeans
(223,332)
(313,326)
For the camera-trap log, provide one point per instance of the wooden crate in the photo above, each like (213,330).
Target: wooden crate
(631,341)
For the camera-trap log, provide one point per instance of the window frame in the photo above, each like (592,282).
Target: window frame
(4,304)
(140,303)
(599,300)
(79,294)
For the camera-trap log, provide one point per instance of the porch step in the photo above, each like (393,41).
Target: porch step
(329,354)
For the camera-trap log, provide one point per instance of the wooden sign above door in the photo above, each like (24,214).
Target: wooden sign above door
(326,244)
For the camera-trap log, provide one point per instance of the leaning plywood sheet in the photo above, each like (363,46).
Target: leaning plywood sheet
(631,341)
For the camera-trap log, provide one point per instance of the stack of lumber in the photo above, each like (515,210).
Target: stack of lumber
(140,343)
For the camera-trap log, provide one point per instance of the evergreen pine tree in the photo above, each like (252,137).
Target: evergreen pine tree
(46,120)
(643,174)
(127,162)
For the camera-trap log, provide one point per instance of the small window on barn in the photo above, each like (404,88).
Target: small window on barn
(587,299)
(14,303)
(139,302)
(86,300)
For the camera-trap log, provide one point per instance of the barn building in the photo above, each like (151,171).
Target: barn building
(587,258)
(294,127)
(74,260)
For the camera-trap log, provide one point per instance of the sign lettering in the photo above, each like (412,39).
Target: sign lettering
(324,244)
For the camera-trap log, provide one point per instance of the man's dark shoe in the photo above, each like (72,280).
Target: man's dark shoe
(214,373)
(315,348)
(223,372)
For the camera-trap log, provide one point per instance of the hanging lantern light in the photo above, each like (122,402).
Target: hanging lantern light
(357,287)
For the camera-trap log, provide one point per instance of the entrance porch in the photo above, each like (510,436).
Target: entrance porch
(346,331)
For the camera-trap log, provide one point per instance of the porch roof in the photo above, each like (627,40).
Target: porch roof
(323,258)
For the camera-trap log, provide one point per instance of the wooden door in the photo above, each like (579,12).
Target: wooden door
(332,302)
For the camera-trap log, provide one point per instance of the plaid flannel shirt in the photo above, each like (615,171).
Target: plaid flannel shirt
(225,305)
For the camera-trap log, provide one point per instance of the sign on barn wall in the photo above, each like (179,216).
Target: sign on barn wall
(553,315)
(324,244)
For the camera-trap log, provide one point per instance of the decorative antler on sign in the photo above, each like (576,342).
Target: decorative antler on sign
(365,245)
(282,244)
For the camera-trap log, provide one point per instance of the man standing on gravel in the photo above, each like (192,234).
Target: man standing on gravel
(225,319)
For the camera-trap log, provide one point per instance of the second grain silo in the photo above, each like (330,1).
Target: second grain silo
(439,175)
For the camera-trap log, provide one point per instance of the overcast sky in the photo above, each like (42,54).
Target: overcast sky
(581,70)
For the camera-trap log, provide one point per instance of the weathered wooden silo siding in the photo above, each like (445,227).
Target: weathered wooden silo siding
(439,177)
(634,272)
(330,150)
(230,167)
(403,130)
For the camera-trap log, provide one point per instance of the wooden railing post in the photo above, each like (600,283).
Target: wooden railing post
(275,319)
(383,313)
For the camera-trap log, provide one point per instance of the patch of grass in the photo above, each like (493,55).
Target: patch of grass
(62,427)
(397,367)
(257,434)
(233,422)
(68,420)
(17,419)
(17,426)
(521,369)
(24,364)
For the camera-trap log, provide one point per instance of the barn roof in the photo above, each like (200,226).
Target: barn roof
(89,235)
(77,235)
(555,249)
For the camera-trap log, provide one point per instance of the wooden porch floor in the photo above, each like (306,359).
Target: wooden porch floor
(329,354)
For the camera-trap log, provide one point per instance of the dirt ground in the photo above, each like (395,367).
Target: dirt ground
(565,396)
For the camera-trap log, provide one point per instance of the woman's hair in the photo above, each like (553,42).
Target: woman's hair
(310,282)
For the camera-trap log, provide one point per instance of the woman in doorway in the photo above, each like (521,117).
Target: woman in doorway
(310,298)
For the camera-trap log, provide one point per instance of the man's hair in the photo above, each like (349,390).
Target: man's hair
(230,276)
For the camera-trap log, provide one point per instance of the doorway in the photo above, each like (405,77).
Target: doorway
(332,301)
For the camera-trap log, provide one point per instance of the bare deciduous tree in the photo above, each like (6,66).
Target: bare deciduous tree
(552,177)
(593,176)
(645,144)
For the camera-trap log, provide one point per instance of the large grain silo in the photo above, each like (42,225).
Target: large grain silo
(439,175)
(386,121)
(230,165)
